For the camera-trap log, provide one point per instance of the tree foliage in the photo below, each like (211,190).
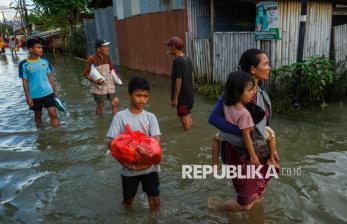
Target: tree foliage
(64,14)
(312,77)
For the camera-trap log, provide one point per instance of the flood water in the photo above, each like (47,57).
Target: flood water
(64,174)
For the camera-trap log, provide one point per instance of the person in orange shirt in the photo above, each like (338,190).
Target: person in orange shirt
(2,46)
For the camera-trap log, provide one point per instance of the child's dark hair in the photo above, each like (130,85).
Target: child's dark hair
(32,42)
(250,58)
(235,86)
(138,83)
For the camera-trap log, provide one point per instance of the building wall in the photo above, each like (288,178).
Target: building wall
(227,50)
(340,45)
(317,34)
(198,10)
(89,32)
(105,29)
(228,46)
(318,28)
(284,51)
(128,8)
(141,39)
(280,52)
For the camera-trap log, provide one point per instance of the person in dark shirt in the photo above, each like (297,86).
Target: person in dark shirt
(182,88)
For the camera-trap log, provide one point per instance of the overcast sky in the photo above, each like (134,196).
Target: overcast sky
(9,13)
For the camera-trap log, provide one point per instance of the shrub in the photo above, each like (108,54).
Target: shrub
(211,90)
(309,78)
(76,43)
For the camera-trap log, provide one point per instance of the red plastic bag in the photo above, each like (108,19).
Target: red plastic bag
(136,148)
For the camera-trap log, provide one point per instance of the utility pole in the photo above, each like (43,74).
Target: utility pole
(25,10)
(300,53)
(212,12)
(4,19)
(302,30)
(1,29)
(21,12)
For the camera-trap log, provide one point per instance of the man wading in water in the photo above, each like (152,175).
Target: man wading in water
(102,90)
(182,90)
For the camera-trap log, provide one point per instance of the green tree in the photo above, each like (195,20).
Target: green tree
(64,14)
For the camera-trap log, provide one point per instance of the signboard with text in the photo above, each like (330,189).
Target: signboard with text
(267,25)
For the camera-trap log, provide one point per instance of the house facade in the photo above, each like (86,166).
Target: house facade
(216,32)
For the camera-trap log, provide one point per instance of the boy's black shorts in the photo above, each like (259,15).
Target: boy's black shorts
(46,101)
(150,185)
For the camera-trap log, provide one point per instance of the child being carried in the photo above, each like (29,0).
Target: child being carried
(238,110)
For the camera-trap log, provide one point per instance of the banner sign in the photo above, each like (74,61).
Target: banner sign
(267,25)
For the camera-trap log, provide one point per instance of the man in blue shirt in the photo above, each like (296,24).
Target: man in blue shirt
(38,83)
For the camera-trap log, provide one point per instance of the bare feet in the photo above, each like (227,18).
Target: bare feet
(214,204)
(273,162)
(230,205)
(259,199)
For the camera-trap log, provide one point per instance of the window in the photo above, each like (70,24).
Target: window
(339,14)
(234,15)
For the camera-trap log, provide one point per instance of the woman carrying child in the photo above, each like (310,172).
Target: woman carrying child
(230,116)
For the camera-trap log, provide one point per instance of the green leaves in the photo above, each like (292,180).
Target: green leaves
(76,43)
(211,90)
(311,77)
(62,14)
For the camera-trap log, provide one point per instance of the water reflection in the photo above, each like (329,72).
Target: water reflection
(64,175)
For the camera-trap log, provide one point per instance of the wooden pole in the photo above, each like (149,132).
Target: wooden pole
(27,28)
(302,30)
(300,53)
(21,12)
(2,33)
(5,27)
(211,39)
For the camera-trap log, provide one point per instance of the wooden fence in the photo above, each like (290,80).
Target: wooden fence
(228,46)
(340,45)
(227,49)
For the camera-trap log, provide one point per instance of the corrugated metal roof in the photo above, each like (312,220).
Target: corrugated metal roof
(196,9)
(49,33)
(149,6)
(128,8)
(105,29)
(135,7)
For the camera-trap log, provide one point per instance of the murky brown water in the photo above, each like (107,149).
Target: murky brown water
(64,175)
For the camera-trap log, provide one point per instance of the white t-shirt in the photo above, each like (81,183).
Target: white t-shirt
(145,122)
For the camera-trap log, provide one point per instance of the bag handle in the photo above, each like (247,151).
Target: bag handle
(134,134)
(256,133)
(131,132)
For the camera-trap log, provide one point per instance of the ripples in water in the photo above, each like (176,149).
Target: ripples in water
(65,175)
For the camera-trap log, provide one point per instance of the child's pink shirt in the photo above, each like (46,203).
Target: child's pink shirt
(238,116)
